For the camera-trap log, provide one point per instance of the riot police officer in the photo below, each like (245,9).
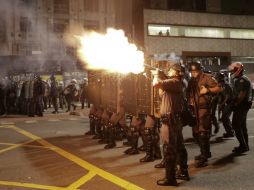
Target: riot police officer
(242,101)
(83,93)
(201,87)
(54,93)
(225,105)
(171,132)
(38,95)
(2,98)
(70,93)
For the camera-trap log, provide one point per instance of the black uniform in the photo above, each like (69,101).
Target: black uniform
(83,94)
(11,97)
(240,111)
(54,94)
(226,109)
(38,96)
(70,92)
(2,99)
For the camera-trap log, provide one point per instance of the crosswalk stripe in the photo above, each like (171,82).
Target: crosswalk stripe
(31,121)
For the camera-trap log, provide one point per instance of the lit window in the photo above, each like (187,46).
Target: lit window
(199,32)
(242,34)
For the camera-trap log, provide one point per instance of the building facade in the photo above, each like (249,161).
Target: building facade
(214,39)
(34,29)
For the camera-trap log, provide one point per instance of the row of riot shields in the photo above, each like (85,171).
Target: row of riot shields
(134,91)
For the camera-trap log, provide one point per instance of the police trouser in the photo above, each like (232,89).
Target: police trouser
(239,125)
(134,136)
(98,127)
(45,102)
(213,115)
(2,106)
(82,100)
(111,129)
(31,107)
(92,124)
(152,146)
(54,102)
(61,101)
(69,99)
(202,131)
(10,104)
(174,148)
(225,118)
(38,106)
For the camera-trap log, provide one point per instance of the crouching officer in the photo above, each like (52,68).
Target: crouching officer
(134,135)
(199,93)
(152,139)
(92,121)
(242,101)
(172,105)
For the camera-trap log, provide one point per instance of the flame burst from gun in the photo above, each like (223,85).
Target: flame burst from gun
(111,52)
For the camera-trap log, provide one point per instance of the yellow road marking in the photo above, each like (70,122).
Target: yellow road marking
(5,126)
(82,180)
(84,164)
(15,146)
(25,145)
(31,185)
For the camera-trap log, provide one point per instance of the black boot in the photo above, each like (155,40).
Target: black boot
(149,148)
(142,148)
(170,178)
(183,174)
(205,151)
(98,130)
(111,137)
(92,127)
(198,157)
(156,146)
(105,135)
(202,162)
(162,163)
(102,135)
(134,144)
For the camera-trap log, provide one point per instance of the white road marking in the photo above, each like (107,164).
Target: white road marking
(54,120)
(73,119)
(7,123)
(31,121)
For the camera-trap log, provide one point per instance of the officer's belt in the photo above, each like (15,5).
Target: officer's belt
(170,117)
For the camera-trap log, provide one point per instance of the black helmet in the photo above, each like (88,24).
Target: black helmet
(195,66)
(220,77)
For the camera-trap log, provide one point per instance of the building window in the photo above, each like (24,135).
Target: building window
(91,25)
(91,5)
(61,6)
(28,3)
(60,25)
(28,48)
(199,32)
(2,30)
(25,24)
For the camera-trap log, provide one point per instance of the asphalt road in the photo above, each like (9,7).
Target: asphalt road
(52,153)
